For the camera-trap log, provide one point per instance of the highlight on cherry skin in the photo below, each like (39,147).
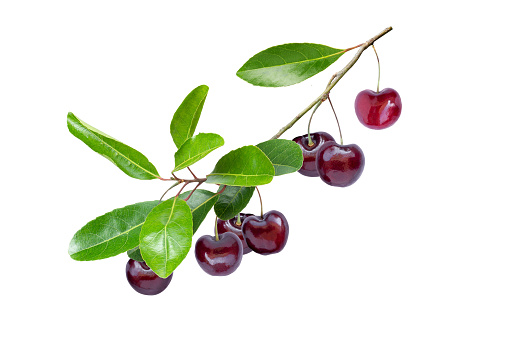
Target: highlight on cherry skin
(234,225)
(378,110)
(309,152)
(340,165)
(143,280)
(219,257)
(267,234)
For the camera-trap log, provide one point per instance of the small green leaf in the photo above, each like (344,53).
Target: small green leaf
(232,201)
(135,254)
(285,155)
(186,117)
(245,166)
(129,160)
(288,64)
(196,148)
(110,234)
(200,203)
(165,238)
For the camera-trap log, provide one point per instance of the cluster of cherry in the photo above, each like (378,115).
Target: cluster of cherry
(336,164)
(341,165)
(221,254)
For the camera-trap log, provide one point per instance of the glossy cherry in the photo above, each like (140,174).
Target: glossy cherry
(143,279)
(221,257)
(309,152)
(378,110)
(231,225)
(339,165)
(268,234)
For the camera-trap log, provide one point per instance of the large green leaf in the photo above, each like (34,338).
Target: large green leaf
(166,236)
(186,117)
(232,201)
(288,64)
(135,254)
(196,148)
(110,234)
(285,155)
(129,160)
(245,166)
(200,203)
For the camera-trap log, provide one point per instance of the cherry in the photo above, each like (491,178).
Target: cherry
(231,225)
(309,152)
(378,110)
(219,256)
(267,234)
(143,279)
(339,165)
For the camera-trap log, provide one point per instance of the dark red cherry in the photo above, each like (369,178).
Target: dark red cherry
(143,279)
(231,225)
(220,257)
(378,110)
(266,235)
(309,152)
(339,165)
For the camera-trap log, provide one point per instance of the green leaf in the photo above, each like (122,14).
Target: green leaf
(200,203)
(135,254)
(129,160)
(196,148)
(186,117)
(285,155)
(245,166)
(165,237)
(110,234)
(288,64)
(232,201)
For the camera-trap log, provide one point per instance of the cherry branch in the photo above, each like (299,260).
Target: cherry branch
(334,80)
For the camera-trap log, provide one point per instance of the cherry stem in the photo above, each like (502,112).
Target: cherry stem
(261,204)
(336,116)
(310,142)
(334,80)
(378,60)
(238,220)
(175,184)
(217,235)
(194,176)
(181,189)
(194,189)
(174,178)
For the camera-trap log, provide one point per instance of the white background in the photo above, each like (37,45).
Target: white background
(417,248)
